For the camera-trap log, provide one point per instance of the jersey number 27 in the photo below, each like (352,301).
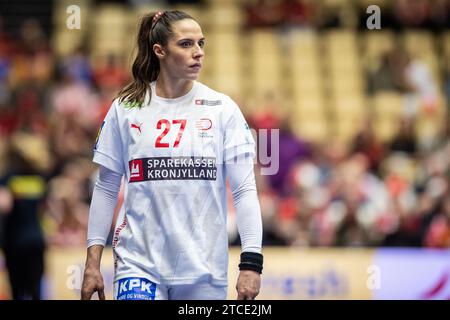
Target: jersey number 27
(166,124)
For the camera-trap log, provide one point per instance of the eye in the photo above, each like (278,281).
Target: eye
(201,43)
(186,44)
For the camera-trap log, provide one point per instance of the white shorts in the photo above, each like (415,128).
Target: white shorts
(135,288)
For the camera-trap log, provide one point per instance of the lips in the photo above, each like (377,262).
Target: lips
(196,66)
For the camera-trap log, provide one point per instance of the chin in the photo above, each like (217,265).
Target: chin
(193,76)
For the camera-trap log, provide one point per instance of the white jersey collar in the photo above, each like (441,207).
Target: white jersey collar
(186,97)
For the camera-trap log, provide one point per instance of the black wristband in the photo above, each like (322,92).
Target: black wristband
(251,261)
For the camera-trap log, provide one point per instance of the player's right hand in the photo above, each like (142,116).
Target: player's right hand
(92,282)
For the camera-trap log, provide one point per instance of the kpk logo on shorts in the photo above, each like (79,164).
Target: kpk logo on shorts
(135,289)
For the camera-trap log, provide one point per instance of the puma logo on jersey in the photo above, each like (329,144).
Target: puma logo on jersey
(135,126)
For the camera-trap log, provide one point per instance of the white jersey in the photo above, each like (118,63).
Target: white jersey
(172,152)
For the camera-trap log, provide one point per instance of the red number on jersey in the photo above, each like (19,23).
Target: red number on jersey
(166,123)
(158,143)
(180,133)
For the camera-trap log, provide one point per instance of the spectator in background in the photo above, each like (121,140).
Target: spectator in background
(391,75)
(28,113)
(265,119)
(109,76)
(357,198)
(265,116)
(424,90)
(298,13)
(23,189)
(5,65)
(439,14)
(109,73)
(404,140)
(438,234)
(33,61)
(349,232)
(25,71)
(76,99)
(32,35)
(291,150)
(74,115)
(68,204)
(367,143)
(77,65)
(434,187)
(31,69)
(423,14)
(406,231)
(330,16)
(264,13)
(411,13)
(399,72)
(5,39)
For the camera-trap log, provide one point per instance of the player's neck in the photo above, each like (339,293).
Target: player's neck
(172,88)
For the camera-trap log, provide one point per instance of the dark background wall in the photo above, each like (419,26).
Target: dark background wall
(14,12)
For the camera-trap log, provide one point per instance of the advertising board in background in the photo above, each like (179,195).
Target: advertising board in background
(289,274)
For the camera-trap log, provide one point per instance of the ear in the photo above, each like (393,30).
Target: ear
(159,51)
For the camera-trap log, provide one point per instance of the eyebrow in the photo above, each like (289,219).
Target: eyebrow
(189,39)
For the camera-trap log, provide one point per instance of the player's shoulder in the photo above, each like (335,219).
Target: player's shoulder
(122,107)
(124,104)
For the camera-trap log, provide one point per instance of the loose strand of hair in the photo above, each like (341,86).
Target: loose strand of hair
(134,92)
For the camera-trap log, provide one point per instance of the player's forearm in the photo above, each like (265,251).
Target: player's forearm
(104,201)
(249,222)
(94,256)
(246,203)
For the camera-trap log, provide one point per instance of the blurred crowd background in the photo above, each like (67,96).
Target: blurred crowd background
(363,114)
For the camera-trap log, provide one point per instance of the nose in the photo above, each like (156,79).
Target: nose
(198,52)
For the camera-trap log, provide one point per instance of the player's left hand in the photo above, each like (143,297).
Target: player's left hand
(248,284)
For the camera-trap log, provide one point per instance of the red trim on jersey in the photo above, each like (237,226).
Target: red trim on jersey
(118,230)
(116,238)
